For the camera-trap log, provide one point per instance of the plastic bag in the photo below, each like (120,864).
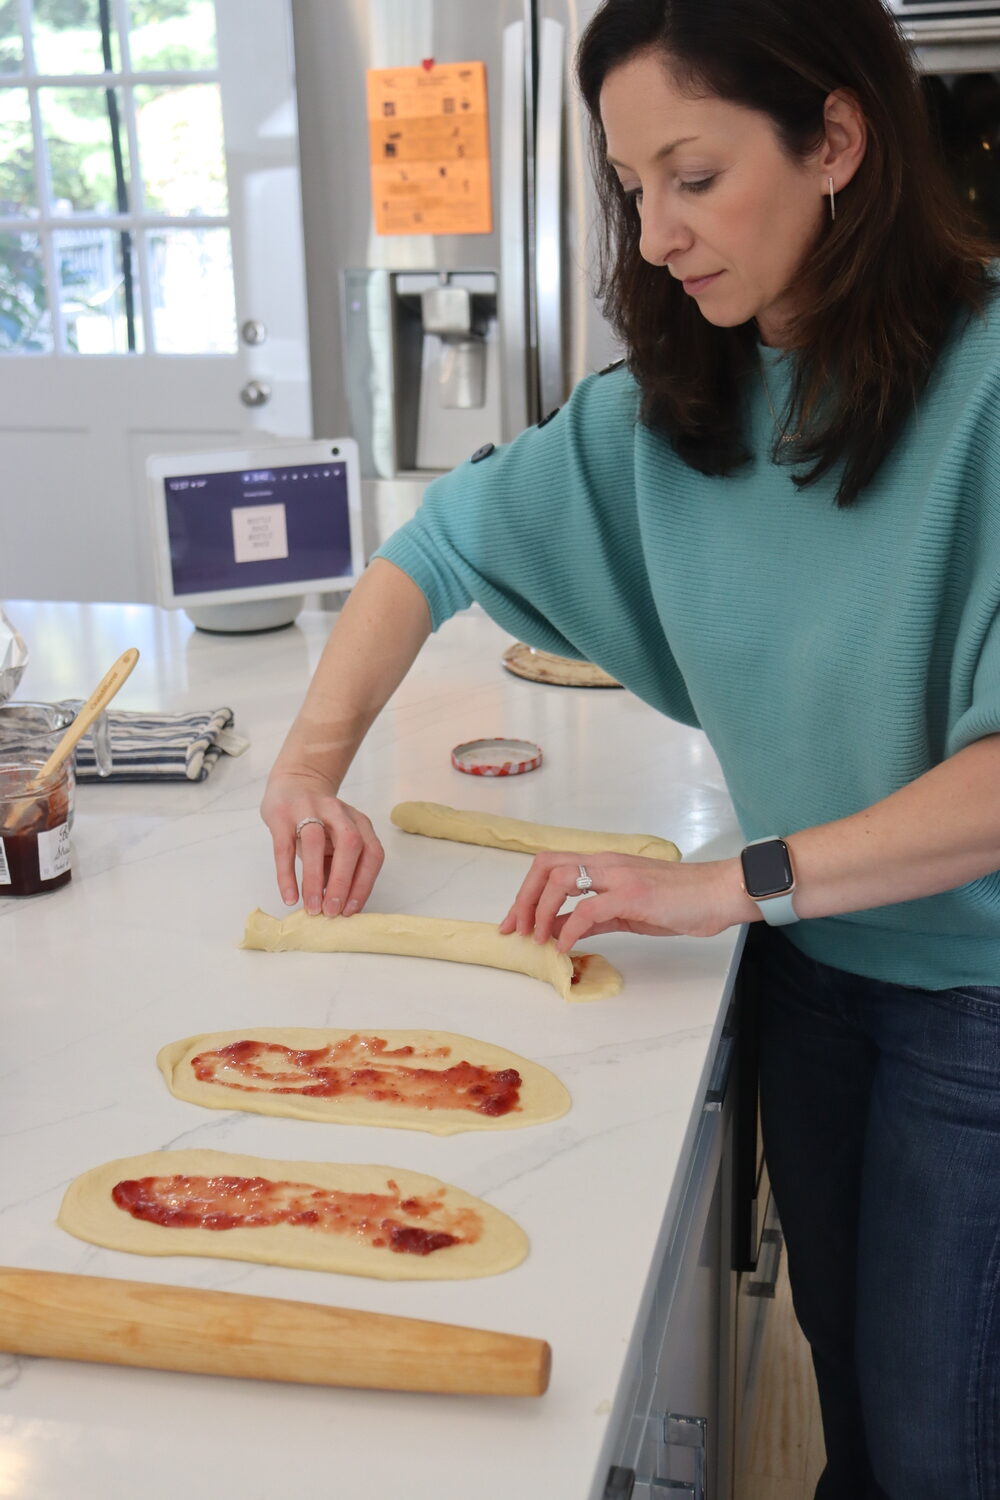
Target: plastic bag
(13,658)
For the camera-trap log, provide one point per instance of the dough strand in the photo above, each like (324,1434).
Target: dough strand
(435,820)
(435,937)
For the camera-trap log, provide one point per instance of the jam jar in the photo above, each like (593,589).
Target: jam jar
(34,828)
(29,732)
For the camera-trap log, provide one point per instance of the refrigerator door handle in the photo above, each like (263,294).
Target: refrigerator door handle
(548,214)
(513,233)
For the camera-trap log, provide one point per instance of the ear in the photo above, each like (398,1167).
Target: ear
(845,139)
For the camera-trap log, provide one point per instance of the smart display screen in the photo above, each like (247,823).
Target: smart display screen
(250,528)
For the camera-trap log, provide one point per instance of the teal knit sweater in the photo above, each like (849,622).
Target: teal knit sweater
(831,656)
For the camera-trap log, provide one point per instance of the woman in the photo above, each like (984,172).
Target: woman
(780,521)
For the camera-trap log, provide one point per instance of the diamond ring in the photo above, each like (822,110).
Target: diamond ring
(302,823)
(583,881)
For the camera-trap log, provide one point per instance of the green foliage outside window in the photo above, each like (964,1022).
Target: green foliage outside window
(17,168)
(11,51)
(166,35)
(23,303)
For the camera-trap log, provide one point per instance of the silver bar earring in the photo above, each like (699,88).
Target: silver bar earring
(833,201)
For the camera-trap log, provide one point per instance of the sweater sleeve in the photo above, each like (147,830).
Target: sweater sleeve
(980,709)
(542,532)
(969,615)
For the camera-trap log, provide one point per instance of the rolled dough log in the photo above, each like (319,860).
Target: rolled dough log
(435,937)
(437,821)
(541,1096)
(90,1213)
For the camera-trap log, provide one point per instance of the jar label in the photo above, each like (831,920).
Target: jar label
(4,866)
(53,852)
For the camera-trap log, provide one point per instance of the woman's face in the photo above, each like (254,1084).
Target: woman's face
(722,205)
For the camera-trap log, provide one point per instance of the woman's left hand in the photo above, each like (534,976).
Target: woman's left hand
(629,893)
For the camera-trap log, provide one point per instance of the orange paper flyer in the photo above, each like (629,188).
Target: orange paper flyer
(430,149)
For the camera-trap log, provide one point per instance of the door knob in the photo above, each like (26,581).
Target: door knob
(255,393)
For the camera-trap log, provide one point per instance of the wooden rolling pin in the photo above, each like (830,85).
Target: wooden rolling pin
(259,1338)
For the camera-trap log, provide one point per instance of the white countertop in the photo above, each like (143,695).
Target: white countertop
(141,948)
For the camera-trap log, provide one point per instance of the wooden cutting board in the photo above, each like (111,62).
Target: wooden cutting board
(260,1338)
(558,671)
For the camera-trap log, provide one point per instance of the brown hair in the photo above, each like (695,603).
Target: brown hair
(879,289)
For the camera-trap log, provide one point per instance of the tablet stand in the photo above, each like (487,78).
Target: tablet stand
(246,617)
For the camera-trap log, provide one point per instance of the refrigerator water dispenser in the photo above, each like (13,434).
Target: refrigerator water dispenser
(423,369)
(446,313)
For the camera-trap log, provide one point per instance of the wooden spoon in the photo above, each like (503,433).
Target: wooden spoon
(95,704)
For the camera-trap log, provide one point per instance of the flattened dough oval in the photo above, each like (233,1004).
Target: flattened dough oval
(90,1213)
(542,1096)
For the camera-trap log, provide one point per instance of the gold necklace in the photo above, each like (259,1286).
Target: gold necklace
(783,435)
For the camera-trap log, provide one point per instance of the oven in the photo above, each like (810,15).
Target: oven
(957,48)
(941,13)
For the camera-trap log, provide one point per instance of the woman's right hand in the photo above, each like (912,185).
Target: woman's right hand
(340,853)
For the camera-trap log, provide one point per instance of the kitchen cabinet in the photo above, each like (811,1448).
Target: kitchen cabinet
(678,1437)
(624,1200)
(693,1377)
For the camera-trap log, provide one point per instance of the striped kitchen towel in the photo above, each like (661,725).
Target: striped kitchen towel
(162,747)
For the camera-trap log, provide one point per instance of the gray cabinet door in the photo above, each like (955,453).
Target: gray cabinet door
(676,1434)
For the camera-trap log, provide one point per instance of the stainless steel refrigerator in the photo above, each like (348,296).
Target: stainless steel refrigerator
(447,341)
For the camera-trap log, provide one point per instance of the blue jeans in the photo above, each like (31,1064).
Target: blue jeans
(880,1110)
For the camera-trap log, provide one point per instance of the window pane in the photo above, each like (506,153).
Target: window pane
(11,42)
(25,324)
(18,187)
(67,37)
(191,286)
(95,295)
(78,133)
(172,34)
(180,149)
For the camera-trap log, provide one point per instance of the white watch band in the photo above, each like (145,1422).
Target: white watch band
(778,911)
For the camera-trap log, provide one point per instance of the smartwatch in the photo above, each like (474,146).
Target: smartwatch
(769,880)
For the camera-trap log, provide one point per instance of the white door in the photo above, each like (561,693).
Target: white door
(152,295)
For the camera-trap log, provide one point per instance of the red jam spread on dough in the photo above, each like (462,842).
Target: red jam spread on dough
(383,1219)
(580,962)
(361,1065)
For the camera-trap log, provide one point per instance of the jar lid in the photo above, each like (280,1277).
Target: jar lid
(496,757)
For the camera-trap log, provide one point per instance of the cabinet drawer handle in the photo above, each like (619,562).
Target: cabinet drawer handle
(683,1432)
(716,1092)
(766,1288)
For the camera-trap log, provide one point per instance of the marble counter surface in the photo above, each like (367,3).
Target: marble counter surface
(141,948)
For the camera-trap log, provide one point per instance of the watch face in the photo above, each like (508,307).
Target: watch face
(767,869)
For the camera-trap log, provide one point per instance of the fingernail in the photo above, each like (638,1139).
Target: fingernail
(332,907)
(289,898)
(312,907)
(350,908)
